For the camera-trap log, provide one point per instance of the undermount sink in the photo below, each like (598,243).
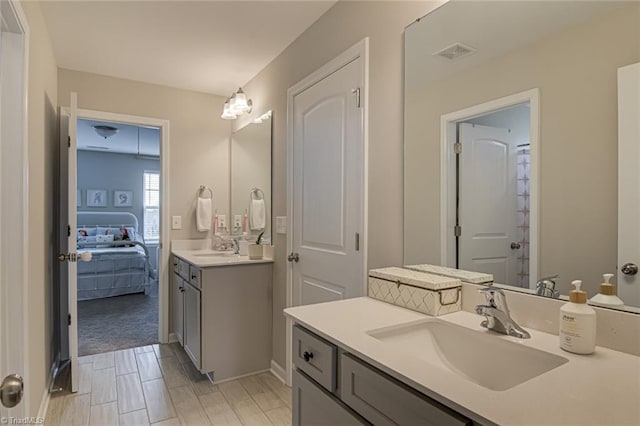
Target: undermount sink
(479,357)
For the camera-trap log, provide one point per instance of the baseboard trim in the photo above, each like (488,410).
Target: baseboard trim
(278,371)
(44,404)
(229,379)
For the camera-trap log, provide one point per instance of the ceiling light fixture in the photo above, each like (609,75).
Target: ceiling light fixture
(105,131)
(237,105)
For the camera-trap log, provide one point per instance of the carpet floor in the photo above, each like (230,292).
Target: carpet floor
(120,322)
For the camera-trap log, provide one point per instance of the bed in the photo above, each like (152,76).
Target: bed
(120,259)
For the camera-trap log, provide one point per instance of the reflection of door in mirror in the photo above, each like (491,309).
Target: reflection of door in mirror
(488,205)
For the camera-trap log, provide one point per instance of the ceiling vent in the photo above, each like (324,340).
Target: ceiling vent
(455,51)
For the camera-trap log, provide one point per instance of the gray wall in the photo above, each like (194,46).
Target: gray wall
(114,172)
(341,27)
(43,205)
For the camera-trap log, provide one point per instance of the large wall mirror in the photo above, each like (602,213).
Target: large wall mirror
(251,178)
(512,136)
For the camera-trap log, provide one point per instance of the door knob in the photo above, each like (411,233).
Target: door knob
(11,390)
(293,257)
(515,246)
(629,269)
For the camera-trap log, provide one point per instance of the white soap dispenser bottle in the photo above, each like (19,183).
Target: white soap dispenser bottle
(577,323)
(607,295)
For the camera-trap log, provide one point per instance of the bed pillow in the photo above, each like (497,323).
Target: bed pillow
(83,233)
(116,232)
(104,239)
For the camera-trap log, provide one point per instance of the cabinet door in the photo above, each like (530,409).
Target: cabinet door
(177,307)
(312,405)
(192,323)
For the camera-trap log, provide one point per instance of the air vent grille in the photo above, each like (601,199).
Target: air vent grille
(98,147)
(455,51)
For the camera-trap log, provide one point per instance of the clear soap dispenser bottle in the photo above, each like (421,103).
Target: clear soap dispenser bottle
(577,323)
(607,295)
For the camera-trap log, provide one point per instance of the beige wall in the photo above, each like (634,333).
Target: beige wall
(43,154)
(576,74)
(199,138)
(340,28)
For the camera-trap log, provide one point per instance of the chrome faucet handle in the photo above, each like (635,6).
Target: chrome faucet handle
(496,298)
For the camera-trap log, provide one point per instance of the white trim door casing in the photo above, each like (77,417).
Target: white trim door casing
(14,207)
(357,54)
(448,180)
(163,247)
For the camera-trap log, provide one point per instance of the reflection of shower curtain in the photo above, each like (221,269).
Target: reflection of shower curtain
(523,174)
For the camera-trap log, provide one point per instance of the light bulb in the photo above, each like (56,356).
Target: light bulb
(227,113)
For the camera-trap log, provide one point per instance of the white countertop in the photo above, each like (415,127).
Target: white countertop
(598,389)
(205,258)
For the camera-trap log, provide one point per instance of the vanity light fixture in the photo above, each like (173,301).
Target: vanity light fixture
(227,113)
(265,116)
(237,105)
(105,131)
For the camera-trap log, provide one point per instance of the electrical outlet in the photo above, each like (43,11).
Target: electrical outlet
(237,221)
(222,221)
(281,224)
(176,222)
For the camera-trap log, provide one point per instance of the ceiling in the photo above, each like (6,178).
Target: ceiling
(493,28)
(135,140)
(207,46)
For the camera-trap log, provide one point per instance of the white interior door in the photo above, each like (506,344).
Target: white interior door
(488,203)
(629,183)
(69,279)
(328,164)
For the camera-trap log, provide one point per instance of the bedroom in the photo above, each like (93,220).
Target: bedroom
(118,206)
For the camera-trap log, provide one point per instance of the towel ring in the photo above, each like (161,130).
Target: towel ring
(258,194)
(202,189)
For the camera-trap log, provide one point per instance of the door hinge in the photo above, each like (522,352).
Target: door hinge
(457,148)
(457,230)
(69,141)
(357,93)
(68,230)
(68,319)
(357,241)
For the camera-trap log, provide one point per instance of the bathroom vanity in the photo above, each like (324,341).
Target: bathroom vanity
(221,306)
(361,360)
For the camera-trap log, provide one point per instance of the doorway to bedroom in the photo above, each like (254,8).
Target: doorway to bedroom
(118,221)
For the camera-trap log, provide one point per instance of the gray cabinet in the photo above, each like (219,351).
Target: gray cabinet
(358,391)
(192,323)
(314,406)
(177,306)
(222,316)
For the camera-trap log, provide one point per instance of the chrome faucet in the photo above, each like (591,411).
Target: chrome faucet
(546,287)
(235,244)
(497,314)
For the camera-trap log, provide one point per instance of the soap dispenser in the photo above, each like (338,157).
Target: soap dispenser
(577,323)
(607,295)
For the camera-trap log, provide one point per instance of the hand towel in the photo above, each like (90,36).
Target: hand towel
(257,216)
(203,214)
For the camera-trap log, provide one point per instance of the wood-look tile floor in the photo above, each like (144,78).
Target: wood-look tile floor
(158,385)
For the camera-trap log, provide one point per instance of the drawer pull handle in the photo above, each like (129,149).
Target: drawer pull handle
(193,277)
(307,355)
(181,289)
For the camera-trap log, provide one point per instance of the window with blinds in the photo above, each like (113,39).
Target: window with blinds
(151,206)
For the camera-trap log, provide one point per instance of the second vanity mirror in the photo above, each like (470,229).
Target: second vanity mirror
(251,178)
(512,140)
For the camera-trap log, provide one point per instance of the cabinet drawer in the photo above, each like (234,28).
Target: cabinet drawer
(383,400)
(194,276)
(315,356)
(314,406)
(183,269)
(176,265)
